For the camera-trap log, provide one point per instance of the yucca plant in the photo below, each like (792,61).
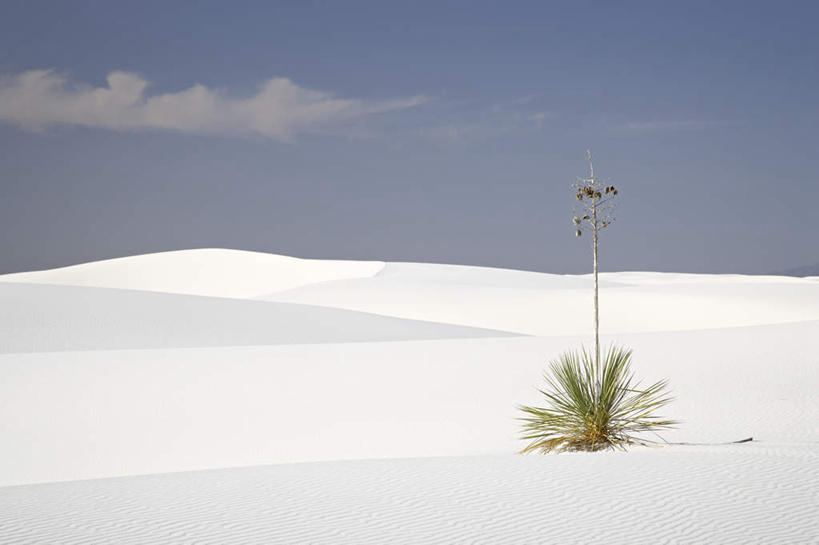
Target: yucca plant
(593,407)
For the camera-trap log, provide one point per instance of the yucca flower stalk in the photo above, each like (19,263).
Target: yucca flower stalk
(594,212)
(594,407)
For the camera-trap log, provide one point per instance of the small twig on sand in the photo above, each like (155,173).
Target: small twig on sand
(746,440)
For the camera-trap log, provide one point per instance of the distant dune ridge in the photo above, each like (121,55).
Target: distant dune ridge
(213,272)
(499,299)
(409,374)
(803,271)
(545,304)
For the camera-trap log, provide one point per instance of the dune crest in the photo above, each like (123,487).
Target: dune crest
(213,272)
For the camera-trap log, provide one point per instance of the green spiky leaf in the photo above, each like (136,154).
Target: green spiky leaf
(591,407)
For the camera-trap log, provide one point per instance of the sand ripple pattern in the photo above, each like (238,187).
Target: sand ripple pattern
(734,494)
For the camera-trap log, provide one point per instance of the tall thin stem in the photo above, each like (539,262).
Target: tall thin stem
(596,303)
(594,253)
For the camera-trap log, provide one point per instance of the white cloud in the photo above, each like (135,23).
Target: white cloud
(280,109)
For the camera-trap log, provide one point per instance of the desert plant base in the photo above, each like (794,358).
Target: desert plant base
(593,407)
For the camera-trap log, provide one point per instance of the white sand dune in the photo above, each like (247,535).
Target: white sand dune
(113,413)
(46,318)
(500,299)
(213,272)
(727,495)
(427,424)
(545,304)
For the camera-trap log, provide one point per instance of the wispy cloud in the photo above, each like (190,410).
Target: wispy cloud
(649,126)
(468,121)
(280,109)
(539,118)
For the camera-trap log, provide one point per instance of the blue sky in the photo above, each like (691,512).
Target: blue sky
(441,131)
